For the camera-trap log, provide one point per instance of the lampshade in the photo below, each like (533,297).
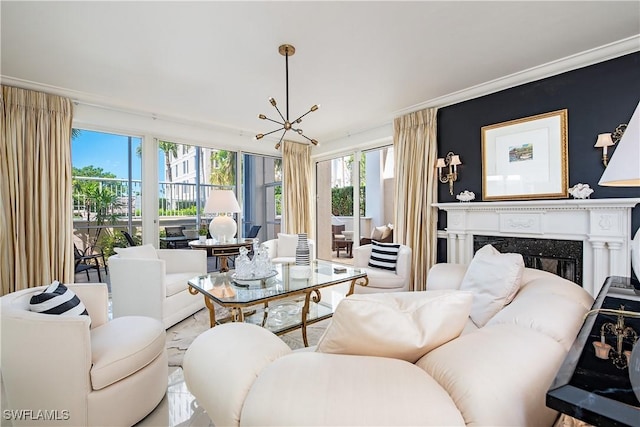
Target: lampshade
(623,169)
(604,140)
(222,201)
(223,227)
(440,163)
(455,160)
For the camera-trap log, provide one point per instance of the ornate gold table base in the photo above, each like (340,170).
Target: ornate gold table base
(310,295)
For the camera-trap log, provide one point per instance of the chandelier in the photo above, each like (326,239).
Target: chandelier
(286,50)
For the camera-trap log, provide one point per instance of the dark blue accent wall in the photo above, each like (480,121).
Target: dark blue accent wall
(598,98)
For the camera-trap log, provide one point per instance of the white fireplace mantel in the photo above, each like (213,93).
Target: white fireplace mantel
(603,225)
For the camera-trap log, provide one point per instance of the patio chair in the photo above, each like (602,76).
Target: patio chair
(130,240)
(253,233)
(176,232)
(88,260)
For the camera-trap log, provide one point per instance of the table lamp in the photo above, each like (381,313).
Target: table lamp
(223,203)
(623,170)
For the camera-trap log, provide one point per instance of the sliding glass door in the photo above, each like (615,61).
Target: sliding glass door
(353,197)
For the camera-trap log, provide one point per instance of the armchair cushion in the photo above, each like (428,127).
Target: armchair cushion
(400,325)
(57,299)
(122,347)
(176,282)
(137,252)
(287,244)
(384,255)
(494,279)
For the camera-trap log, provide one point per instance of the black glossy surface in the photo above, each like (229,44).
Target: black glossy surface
(591,389)
(566,253)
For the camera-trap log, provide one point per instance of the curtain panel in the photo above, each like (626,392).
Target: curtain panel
(35,191)
(415,150)
(296,167)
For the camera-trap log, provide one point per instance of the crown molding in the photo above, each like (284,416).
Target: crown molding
(573,62)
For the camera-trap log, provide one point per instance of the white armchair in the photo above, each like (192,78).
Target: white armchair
(153,282)
(283,249)
(94,372)
(383,280)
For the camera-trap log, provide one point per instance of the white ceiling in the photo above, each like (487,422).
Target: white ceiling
(364,62)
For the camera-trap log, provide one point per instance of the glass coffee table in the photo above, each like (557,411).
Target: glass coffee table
(282,302)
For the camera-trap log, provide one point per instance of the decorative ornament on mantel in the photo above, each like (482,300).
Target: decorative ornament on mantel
(466,196)
(580,191)
(286,50)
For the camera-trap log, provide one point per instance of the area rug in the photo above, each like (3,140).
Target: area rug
(180,336)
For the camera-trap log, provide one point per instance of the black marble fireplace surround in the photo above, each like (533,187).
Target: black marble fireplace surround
(561,257)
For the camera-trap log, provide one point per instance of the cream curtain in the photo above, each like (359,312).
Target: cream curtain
(296,167)
(415,151)
(35,190)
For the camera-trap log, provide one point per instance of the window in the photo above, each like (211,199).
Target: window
(106,170)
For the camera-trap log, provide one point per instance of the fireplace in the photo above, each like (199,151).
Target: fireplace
(561,257)
(600,229)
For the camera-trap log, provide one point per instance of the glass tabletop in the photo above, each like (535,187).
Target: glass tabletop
(223,289)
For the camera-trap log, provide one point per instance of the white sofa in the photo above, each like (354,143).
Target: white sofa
(283,249)
(83,370)
(153,282)
(495,375)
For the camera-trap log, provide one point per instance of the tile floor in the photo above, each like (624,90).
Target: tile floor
(178,407)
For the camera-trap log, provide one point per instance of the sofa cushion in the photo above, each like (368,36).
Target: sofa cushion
(137,252)
(384,255)
(287,244)
(122,347)
(57,299)
(494,279)
(498,375)
(400,325)
(316,389)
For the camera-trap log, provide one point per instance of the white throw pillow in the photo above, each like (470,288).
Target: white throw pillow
(287,244)
(494,279)
(377,232)
(138,252)
(401,325)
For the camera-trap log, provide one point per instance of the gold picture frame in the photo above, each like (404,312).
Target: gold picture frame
(526,158)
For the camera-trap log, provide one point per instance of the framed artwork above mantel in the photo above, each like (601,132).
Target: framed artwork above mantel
(526,158)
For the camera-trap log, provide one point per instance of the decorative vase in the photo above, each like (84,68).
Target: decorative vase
(302,250)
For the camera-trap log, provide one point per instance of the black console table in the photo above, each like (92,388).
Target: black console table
(592,389)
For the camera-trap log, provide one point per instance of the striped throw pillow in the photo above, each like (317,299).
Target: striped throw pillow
(384,255)
(57,299)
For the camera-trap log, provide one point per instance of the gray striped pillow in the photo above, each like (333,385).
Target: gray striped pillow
(57,299)
(384,255)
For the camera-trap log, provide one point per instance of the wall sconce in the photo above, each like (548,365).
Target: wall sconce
(452,161)
(609,139)
(619,331)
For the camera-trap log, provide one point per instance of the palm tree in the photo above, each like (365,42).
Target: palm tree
(223,168)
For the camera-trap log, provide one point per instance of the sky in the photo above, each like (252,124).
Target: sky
(109,152)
